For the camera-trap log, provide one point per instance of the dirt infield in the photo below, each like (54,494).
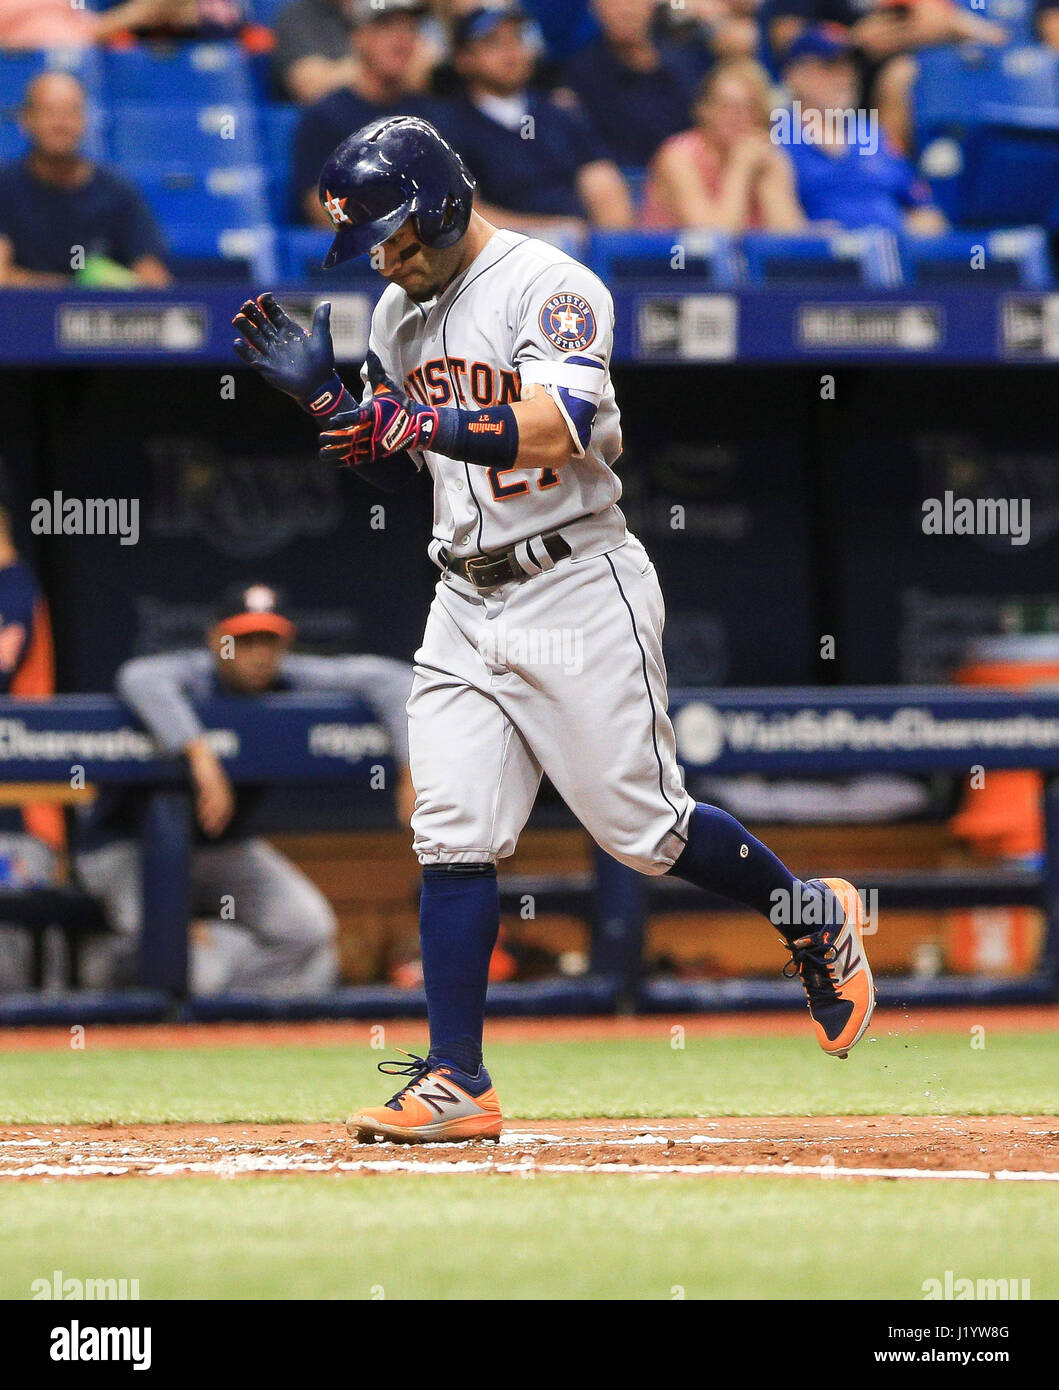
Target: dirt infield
(1024,1019)
(1001,1148)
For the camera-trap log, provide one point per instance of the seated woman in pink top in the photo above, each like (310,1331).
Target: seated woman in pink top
(725,174)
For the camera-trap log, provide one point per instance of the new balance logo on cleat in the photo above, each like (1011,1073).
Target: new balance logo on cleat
(438,1099)
(833,968)
(431,1108)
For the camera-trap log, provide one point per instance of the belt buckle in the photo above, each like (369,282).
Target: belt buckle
(472,565)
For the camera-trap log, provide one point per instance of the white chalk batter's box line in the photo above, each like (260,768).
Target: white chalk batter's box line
(249,1164)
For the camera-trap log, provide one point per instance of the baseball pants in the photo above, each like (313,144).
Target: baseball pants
(561,674)
(280,939)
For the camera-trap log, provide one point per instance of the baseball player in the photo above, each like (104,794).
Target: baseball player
(281,936)
(488,365)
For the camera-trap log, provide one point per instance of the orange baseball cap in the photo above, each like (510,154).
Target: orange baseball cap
(253,608)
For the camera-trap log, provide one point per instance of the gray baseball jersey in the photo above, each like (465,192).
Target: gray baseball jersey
(561,672)
(523,313)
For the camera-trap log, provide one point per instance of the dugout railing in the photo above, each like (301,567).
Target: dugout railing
(289,739)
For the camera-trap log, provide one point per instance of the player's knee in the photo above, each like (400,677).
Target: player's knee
(653,857)
(312,921)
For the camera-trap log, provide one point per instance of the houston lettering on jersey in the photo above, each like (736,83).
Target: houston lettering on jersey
(477,384)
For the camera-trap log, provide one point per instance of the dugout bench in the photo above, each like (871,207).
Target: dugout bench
(297,739)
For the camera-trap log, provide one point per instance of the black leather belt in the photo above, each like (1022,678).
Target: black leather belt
(497,567)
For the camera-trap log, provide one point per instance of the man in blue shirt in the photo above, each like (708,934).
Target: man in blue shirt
(846,173)
(60,214)
(385,44)
(538,164)
(635,91)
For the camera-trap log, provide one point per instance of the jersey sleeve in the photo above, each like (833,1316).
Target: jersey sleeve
(563,342)
(157,688)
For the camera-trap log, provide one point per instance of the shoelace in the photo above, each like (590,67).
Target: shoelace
(810,962)
(415,1068)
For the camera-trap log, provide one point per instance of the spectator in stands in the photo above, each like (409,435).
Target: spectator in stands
(313,53)
(60,24)
(883,36)
(847,173)
(30,833)
(635,91)
(723,28)
(386,79)
(566,26)
(279,935)
(726,173)
(540,168)
(1046,21)
(62,217)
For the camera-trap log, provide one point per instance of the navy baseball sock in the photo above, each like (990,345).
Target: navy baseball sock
(723,857)
(459,918)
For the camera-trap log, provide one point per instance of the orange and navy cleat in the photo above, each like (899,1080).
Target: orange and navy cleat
(835,973)
(439,1105)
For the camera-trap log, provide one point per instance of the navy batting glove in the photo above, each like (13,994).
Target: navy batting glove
(297,363)
(389,423)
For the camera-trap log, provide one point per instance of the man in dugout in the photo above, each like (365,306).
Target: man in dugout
(280,938)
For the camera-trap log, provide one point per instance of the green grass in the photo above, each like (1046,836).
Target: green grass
(918,1074)
(455,1237)
(340,1236)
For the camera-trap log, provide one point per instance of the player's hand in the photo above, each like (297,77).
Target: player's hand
(297,363)
(389,422)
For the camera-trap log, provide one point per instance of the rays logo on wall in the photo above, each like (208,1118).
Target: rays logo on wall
(241,506)
(567,321)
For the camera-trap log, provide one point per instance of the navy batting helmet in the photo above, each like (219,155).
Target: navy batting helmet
(392,169)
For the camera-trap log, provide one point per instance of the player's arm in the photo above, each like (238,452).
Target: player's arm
(12,276)
(530,433)
(605,194)
(155,687)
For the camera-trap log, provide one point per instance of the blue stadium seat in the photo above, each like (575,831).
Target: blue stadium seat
(705,256)
(18,67)
(302,250)
(1017,258)
(867,257)
(1010,169)
(265,11)
(201,73)
(210,198)
(277,138)
(954,85)
(12,142)
(301,254)
(207,136)
(233,254)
